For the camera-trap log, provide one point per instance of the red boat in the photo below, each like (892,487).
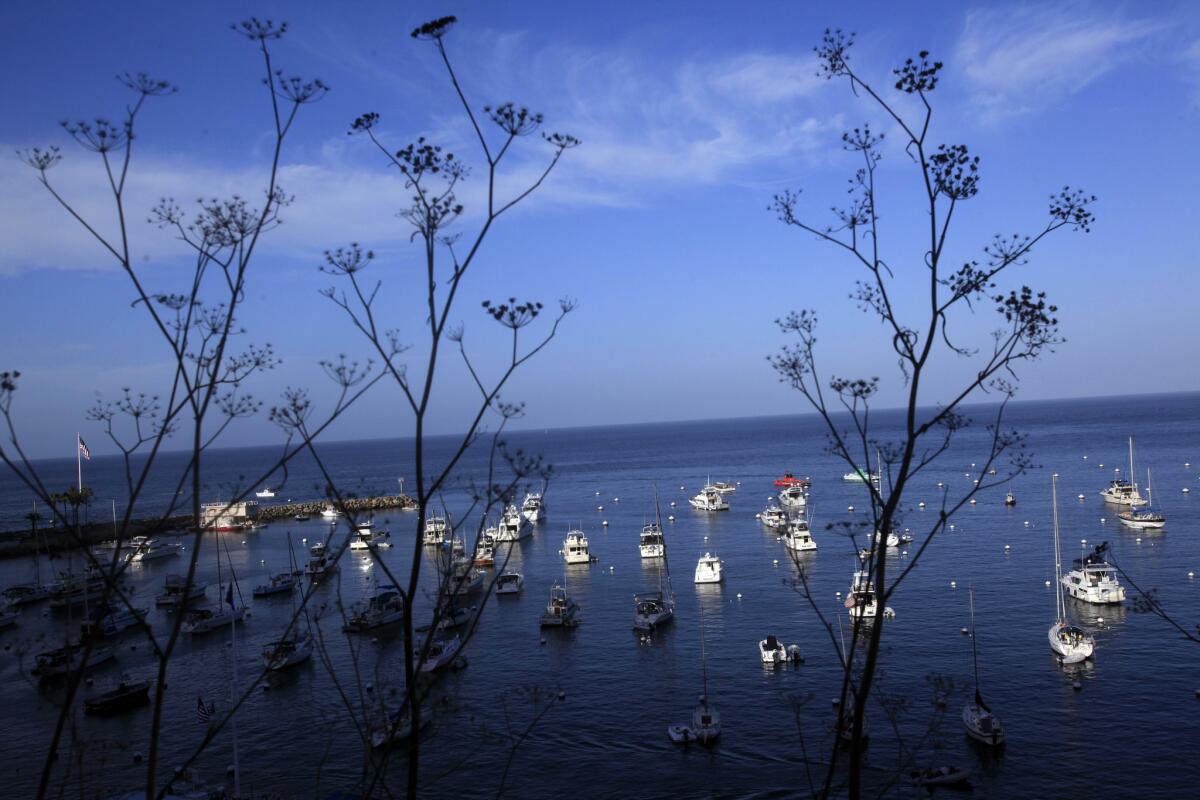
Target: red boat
(789,479)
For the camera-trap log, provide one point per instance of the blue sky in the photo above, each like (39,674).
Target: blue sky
(692,116)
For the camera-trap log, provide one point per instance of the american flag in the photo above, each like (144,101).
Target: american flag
(83,451)
(204,712)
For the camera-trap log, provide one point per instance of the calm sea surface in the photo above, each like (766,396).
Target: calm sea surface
(1128,732)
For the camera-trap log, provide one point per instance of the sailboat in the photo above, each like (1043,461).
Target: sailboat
(1071,644)
(210,618)
(978,720)
(295,646)
(652,609)
(1140,518)
(1124,493)
(29,592)
(706,722)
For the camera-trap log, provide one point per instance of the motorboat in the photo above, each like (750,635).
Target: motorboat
(124,696)
(789,479)
(206,620)
(533,509)
(651,609)
(513,527)
(383,608)
(176,593)
(321,564)
(279,583)
(448,618)
(154,549)
(793,498)
(293,649)
(724,487)
(301,518)
(1010,499)
(462,579)
(860,475)
(798,538)
(367,539)
(708,569)
(891,540)
(71,658)
(436,531)
(650,543)
(330,513)
(365,525)
(73,590)
(1094,580)
(709,499)
(1124,492)
(485,552)
(441,652)
(509,583)
(861,600)
(575,548)
(265,494)
(772,651)
(562,611)
(705,726)
(773,517)
(978,720)
(1145,518)
(1071,644)
(109,621)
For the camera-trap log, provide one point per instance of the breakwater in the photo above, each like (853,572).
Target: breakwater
(54,540)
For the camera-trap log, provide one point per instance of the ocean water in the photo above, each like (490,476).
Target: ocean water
(1124,733)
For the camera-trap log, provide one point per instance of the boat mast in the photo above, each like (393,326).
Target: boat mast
(1058,600)
(1132,476)
(703,656)
(974,651)
(233,689)
(666,564)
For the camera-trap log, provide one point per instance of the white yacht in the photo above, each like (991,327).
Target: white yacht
(463,579)
(533,509)
(1144,518)
(773,517)
(330,513)
(176,593)
(1093,580)
(575,548)
(383,608)
(265,494)
(861,601)
(154,549)
(725,487)
(368,539)
(772,651)
(562,611)
(279,583)
(1124,492)
(651,544)
(706,722)
(441,652)
(321,564)
(1071,644)
(860,475)
(485,552)
(293,649)
(437,529)
(513,527)
(793,498)
(510,583)
(709,499)
(798,538)
(978,720)
(397,727)
(708,569)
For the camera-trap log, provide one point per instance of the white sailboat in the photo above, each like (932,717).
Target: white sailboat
(706,722)
(1071,644)
(978,720)
(1147,518)
(651,609)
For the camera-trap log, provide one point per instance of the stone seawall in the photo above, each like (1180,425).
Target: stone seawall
(57,540)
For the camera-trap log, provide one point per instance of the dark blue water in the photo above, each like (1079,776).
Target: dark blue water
(1125,733)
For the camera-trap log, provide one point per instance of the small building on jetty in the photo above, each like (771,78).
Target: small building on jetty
(223,517)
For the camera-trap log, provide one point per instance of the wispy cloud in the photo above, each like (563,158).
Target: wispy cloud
(1024,58)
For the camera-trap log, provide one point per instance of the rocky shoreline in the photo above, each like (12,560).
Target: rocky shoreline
(14,544)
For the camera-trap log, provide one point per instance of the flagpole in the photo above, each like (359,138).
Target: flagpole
(78,462)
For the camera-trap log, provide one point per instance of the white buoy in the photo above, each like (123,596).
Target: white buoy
(598,494)
(776,562)
(681,488)
(839,594)
(951,527)
(1026,523)
(672,504)
(1191,574)
(1099,620)
(903,552)
(670,518)
(562,694)
(1076,685)
(604,523)
(1081,497)
(939,485)
(616,499)
(965,631)
(758,516)
(543,640)
(1101,466)
(612,569)
(921,504)
(599,508)
(1007,547)
(1084,541)
(1138,540)
(1187,465)
(739,595)
(1055,475)
(706,537)
(1186,490)
(850,509)
(972,501)
(1047,583)
(953,584)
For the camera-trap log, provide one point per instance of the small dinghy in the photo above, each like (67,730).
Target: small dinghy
(772,651)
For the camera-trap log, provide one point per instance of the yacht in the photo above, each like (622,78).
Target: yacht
(860,475)
(125,695)
(510,583)
(73,589)
(278,584)
(265,494)
(1071,644)
(384,608)
(1093,580)
(862,602)
(293,649)
(437,529)
(978,720)
(368,539)
(1124,493)
(772,651)
(65,660)
(708,569)
(440,653)
(709,499)
(533,509)
(153,549)
(447,618)
(330,513)
(109,621)
(321,564)
(575,548)
(798,538)
(789,479)
(1143,518)
(773,517)
(463,579)
(485,552)
(513,527)
(651,544)
(561,611)
(724,487)
(793,498)
(205,620)
(177,594)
